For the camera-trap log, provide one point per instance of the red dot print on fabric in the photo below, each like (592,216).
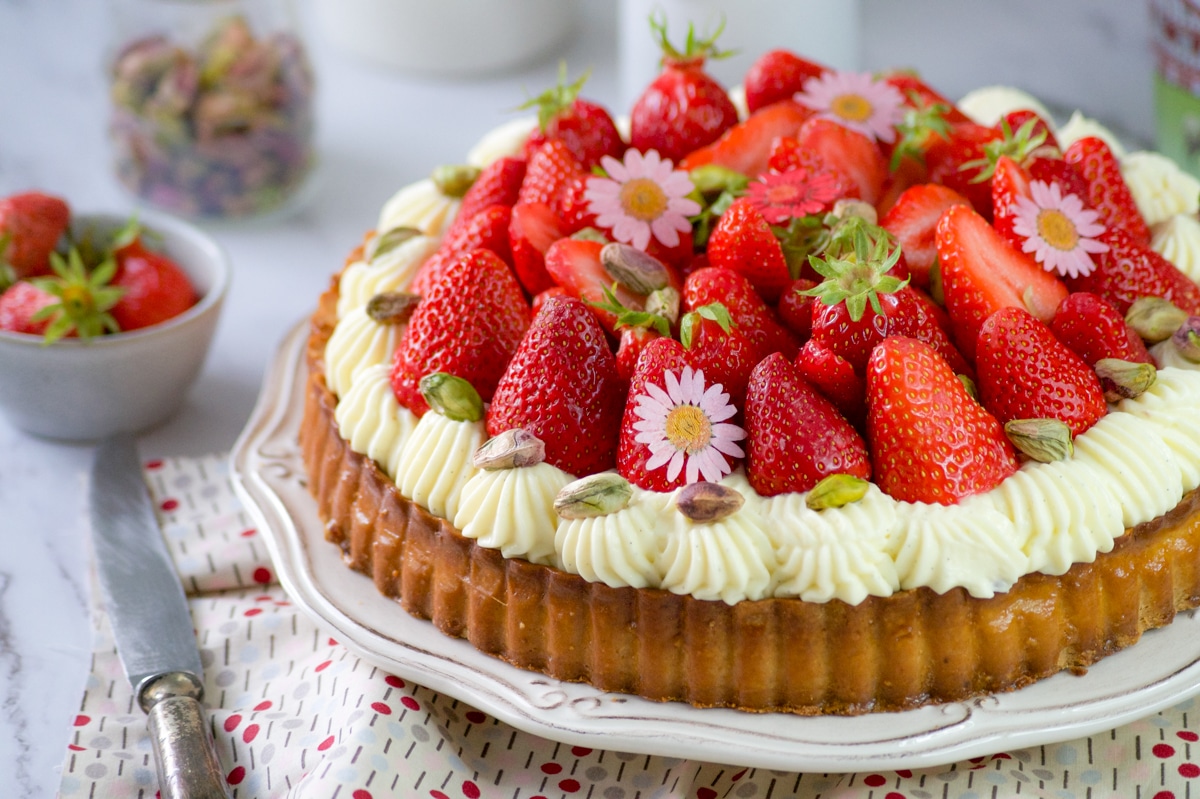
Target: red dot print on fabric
(232,722)
(82,720)
(1163,750)
(580,751)
(569,786)
(328,742)
(438,795)
(381,708)
(894,795)
(1164,795)
(249,533)
(262,575)
(236,776)
(1002,756)
(410,703)
(76,748)
(250,733)
(1188,735)
(905,773)
(475,717)
(1189,770)
(322,666)
(706,793)
(393,681)
(361,794)
(875,780)
(253,612)
(263,705)
(333,642)
(169,504)
(154,464)
(470,790)
(738,776)
(551,768)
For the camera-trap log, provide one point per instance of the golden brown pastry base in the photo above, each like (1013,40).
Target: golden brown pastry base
(888,653)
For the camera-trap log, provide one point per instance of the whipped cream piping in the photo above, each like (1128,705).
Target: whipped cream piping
(1159,187)
(371,420)
(358,342)
(512,510)
(1178,240)
(418,205)
(392,271)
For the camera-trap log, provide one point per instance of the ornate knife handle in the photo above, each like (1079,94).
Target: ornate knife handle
(184,754)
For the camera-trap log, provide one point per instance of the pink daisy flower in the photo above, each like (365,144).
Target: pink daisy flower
(643,196)
(1058,230)
(685,428)
(793,194)
(856,100)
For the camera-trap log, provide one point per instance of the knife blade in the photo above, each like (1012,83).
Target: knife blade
(151,624)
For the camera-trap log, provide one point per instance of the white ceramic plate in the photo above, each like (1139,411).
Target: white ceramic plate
(1161,670)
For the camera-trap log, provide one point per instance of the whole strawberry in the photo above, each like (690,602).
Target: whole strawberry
(930,441)
(743,242)
(20,303)
(1093,329)
(585,127)
(468,324)
(1024,372)
(684,108)
(795,437)
(753,317)
(1130,270)
(777,75)
(30,226)
(1107,191)
(562,386)
(155,287)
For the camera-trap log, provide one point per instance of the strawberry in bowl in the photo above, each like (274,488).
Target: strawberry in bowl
(109,335)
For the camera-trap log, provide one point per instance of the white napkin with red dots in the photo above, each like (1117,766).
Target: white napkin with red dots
(297,715)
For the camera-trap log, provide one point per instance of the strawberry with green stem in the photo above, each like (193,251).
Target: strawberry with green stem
(154,287)
(1024,372)
(684,108)
(585,127)
(73,301)
(930,440)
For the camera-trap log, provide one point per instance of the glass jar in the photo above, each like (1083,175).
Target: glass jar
(212,105)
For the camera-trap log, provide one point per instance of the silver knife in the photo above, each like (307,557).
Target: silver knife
(151,624)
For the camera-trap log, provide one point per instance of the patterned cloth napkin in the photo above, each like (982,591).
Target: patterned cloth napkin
(297,715)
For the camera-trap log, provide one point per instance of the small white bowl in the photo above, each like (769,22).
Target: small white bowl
(124,382)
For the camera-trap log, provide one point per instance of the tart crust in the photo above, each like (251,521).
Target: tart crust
(912,648)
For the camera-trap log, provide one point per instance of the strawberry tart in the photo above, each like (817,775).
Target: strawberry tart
(824,396)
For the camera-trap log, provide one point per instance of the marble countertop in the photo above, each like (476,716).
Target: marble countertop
(378,131)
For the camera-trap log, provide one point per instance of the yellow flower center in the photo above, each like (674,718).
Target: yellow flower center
(1057,230)
(853,107)
(688,428)
(643,199)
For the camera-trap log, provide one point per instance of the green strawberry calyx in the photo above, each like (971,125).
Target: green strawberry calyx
(695,50)
(713,312)
(855,266)
(922,121)
(555,100)
(656,316)
(1017,145)
(84,297)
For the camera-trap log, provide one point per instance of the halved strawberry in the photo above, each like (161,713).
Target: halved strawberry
(531,230)
(981,274)
(746,147)
(1024,372)
(930,441)
(562,386)
(750,313)
(913,221)
(1130,270)
(552,172)
(777,75)
(795,436)
(498,184)
(575,265)
(1107,191)
(486,230)
(1094,329)
(1009,181)
(469,322)
(743,242)
(848,151)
